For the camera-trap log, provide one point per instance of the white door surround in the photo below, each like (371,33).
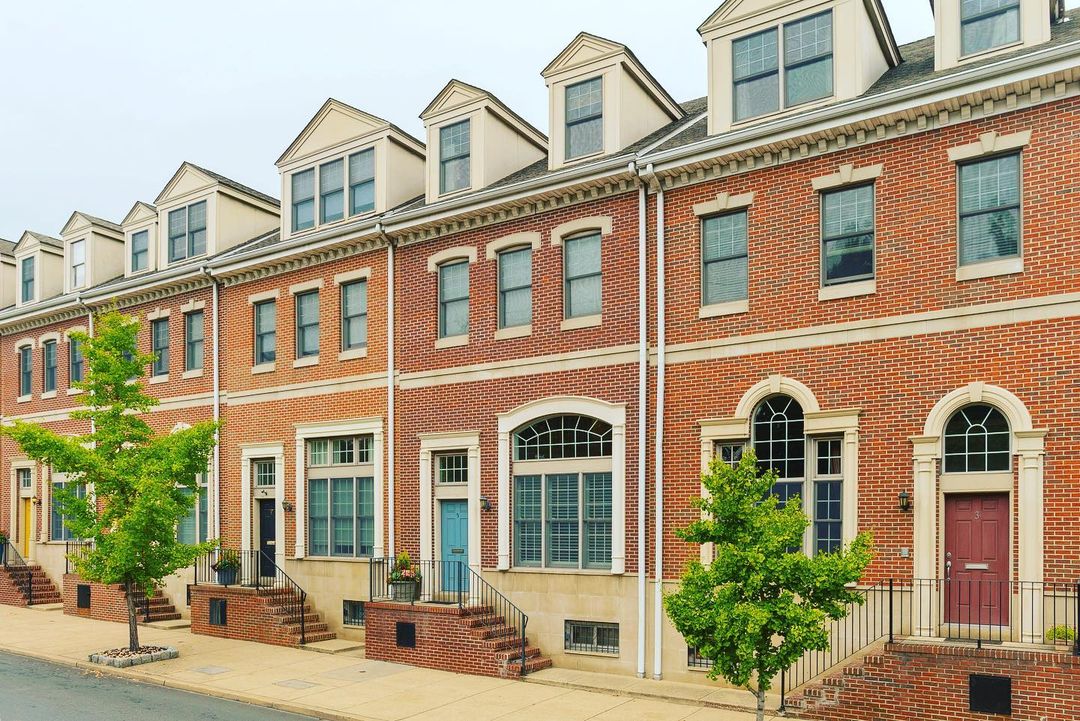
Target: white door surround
(430,533)
(248,454)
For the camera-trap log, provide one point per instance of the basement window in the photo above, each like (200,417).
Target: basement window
(591,637)
(218,615)
(352,613)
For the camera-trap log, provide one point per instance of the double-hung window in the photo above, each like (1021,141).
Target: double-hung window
(847,235)
(307,324)
(75,361)
(78,263)
(48,356)
(187,232)
(582,291)
(303,200)
(26,370)
(454,299)
(362,182)
(193,527)
(515,287)
(584,118)
(159,343)
(193,341)
(354,315)
(805,73)
(265,332)
(341,497)
(140,251)
(724,258)
(988,24)
(27,285)
(332,191)
(990,209)
(454,157)
(58,522)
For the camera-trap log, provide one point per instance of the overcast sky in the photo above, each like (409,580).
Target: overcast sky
(100,102)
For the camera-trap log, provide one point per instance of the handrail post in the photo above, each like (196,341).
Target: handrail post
(891,636)
(783,690)
(303,617)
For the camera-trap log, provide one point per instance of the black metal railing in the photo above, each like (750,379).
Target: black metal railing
(75,550)
(19,572)
(451,583)
(256,569)
(961,610)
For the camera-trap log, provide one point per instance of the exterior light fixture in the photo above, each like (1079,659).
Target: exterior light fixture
(287,506)
(905,501)
(485,504)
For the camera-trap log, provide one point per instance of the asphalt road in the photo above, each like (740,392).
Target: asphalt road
(32,690)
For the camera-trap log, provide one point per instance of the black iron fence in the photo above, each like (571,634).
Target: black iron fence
(19,571)
(258,570)
(450,583)
(74,550)
(963,610)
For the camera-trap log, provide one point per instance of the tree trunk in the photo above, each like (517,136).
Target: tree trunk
(760,704)
(130,590)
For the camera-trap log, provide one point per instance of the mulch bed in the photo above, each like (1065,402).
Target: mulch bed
(123,658)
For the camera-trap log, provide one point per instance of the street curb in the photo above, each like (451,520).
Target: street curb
(141,676)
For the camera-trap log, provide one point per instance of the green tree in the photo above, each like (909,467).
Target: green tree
(759,606)
(142,484)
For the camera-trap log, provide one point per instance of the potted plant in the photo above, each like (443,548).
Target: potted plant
(1061,636)
(227,566)
(404,579)
(3,548)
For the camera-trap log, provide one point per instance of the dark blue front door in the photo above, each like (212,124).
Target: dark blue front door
(267,537)
(455,544)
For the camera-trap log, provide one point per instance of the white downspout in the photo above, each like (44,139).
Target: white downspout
(216,373)
(661,359)
(390,551)
(643,378)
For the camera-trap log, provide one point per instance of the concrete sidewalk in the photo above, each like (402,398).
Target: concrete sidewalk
(342,687)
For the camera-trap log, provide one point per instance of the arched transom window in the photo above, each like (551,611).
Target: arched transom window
(562,493)
(977,440)
(780,444)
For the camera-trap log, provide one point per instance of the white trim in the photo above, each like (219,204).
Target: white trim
(990,269)
(192,305)
(265,295)
(46,337)
(583,321)
(848,290)
(602,223)
(194,373)
(723,203)
(23,342)
(358,274)
(776,385)
(74,329)
(250,452)
(155,380)
(264,368)
(158,313)
(613,414)
(515,240)
(517,331)
(353,354)
(445,256)
(297,288)
(306,361)
(453,341)
(731,307)
(430,445)
(990,144)
(846,175)
(48,394)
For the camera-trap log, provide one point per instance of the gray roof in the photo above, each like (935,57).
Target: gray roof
(6,247)
(100,221)
(46,239)
(230,183)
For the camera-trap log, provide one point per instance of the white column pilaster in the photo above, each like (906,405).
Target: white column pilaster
(503,501)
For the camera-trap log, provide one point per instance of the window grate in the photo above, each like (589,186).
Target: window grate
(352,613)
(591,637)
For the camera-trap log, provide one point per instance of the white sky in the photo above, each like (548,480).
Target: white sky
(100,102)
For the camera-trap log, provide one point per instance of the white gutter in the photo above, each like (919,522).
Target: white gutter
(661,358)
(216,366)
(643,379)
(390,373)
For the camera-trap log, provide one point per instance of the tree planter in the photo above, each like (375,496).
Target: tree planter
(123,658)
(227,576)
(405,591)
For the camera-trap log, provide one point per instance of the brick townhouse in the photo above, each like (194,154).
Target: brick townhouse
(510,353)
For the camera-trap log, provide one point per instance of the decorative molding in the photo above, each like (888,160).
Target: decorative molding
(454,341)
(717,310)
(723,203)
(847,175)
(847,290)
(158,313)
(264,296)
(445,256)
(990,269)
(358,274)
(534,240)
(192,306)
(990,144)
(46,337)
(603,223)
(517,331)
(74,329)
(23,342)
(297,288)
(583,321)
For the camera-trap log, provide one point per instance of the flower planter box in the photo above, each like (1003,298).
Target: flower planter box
(227,576)
(404,591)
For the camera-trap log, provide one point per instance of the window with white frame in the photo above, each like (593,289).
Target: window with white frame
(48,357)
(193,527)
(265,331)
(988,24)
(584,118)
(187,232)
(303,199)
(77,251)
(25,478)
(76,361)
(58,522)
(193,341)
(307,324)
(354,315)
(264,470)
(26,370)
(978,440)
(562,493)
(140,251)
(990,209)
(847,235)
(827,514)
(515,287)
(452,468)
(341,496)
(27,280)
(728,452)
(583,276)
(159,344)
(765,82)
(454,156)
(454,299)
(332,191)
(362,182)
(724,260)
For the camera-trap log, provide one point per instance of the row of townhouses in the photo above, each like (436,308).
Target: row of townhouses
(517,350)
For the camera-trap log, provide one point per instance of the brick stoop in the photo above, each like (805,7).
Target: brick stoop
(13,586)
(108,602)
(262,615)
(161,609)
(466,640)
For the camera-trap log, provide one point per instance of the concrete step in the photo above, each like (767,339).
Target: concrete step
(171,625)
(333,646)
(47,607)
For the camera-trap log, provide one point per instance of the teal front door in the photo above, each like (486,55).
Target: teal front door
(454,516)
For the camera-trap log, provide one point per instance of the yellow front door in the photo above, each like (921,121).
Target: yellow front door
(27,524)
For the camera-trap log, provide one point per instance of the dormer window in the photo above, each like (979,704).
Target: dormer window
(27,285)
(584,118)
(454,157)
(362,182)
(332,191)
(806,73)
(187,232)
(988,24)
(303,200)
(78,263)
(140,251)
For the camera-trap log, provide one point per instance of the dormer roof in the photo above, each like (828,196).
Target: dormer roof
(457,94)
(7,248)
(188,176)
(338,123)
(139,211)
(587,48)
(79,219)
(29,237)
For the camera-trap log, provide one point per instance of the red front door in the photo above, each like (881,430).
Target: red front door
(977,559)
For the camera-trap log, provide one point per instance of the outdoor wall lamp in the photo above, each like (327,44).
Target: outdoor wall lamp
(485,504)
(287,506)
(35,500)
(905,501)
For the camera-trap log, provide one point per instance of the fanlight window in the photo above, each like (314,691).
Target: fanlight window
(779,441)
(559,437)
(977,440)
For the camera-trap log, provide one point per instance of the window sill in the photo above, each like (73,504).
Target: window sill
(25,399)
(454,341)
(562,571)
(335,559)
(264,368)
(154,380)
(352,354)
(48,394)
(520,331)
(990,269)
(732,307)
(972,57)
(74,391)
(601,654)
(196,373)
(848,290)
(585,321)
(311,360)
